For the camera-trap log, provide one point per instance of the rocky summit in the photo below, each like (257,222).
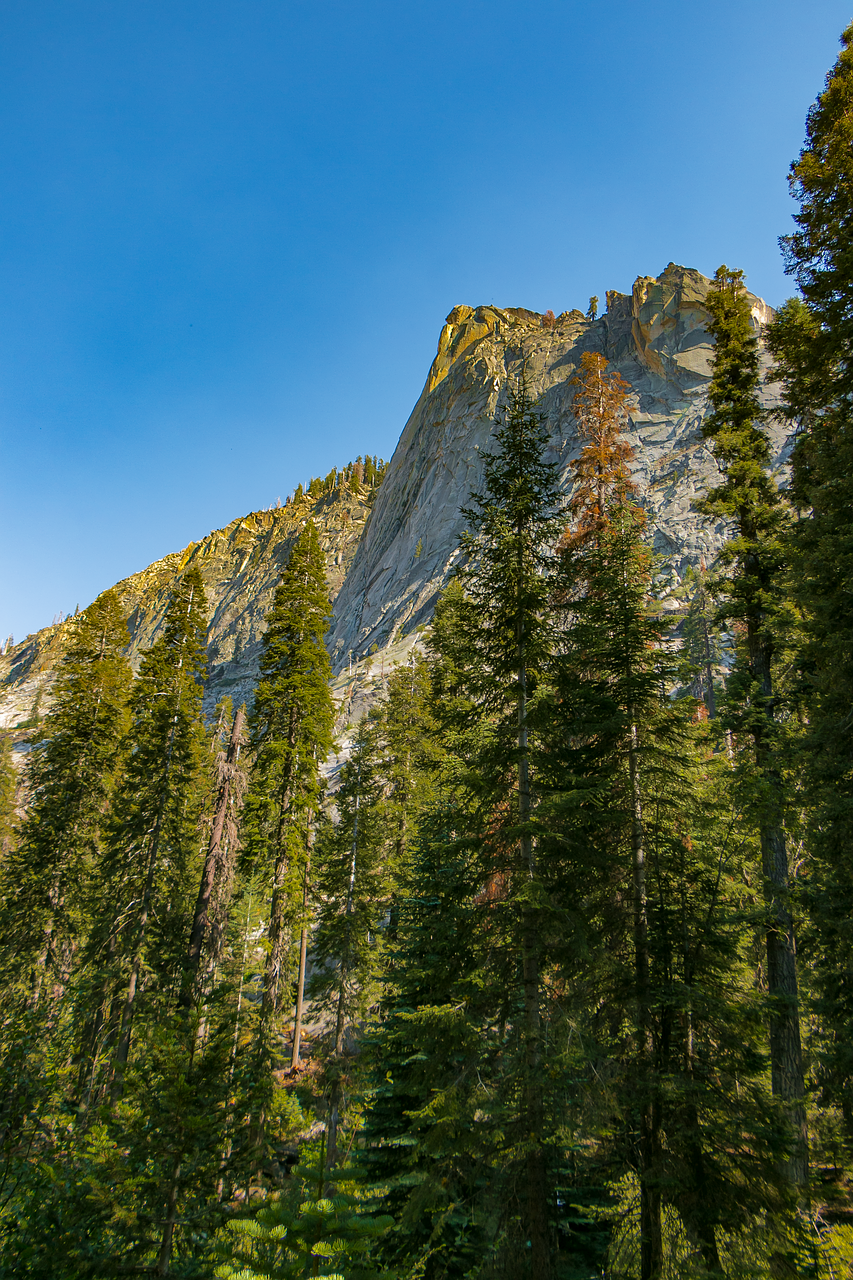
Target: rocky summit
(389,551)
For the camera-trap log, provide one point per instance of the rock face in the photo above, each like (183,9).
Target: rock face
(388,561)
(655,338)
(240,565)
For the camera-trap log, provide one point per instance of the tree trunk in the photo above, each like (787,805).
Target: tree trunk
(786,1057)
(232,1059)
(123,1047)
(126,1028)
(340,1017)
(536,1175)
(276,933)
(165,1257)
(303,959)
(711,700)
(651,1237)
(213,865)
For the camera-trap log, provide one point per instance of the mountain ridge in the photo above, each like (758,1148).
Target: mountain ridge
(390,552)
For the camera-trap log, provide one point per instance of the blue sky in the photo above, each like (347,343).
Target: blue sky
(230,230)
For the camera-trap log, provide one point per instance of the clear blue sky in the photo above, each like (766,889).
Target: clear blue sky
(230,230)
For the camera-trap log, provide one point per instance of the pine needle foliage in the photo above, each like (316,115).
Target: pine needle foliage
(750,588)
(290,737)
(812,341)
(152,845)
(71,773)
(310,1229)
(600,409)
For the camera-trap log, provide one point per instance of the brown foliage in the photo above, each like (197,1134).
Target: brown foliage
(602,471)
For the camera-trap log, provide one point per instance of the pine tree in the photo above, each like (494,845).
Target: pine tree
(291,736)
(701,644)
(812,341)
(600,408)
(749,583)
(609,716)
(406,732)
(654,954)
(153,840)
(310,1229)
(70,776)
(431,1145)
(354,884)
(493,638)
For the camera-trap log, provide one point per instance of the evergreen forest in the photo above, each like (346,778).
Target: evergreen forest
(552,977)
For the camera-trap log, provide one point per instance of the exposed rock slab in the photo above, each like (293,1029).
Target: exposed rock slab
(387,563)
(655,338)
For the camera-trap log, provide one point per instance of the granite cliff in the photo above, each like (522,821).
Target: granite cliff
(390,552)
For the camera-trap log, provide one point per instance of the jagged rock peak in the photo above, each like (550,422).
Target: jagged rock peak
(656,337)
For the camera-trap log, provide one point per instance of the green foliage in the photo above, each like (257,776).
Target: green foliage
(426,1148)
(290,737)
(311,1228)
(135,952)
(71,773)
(812,341)
(701,648)
(291,716)
(354,884)
(8,793)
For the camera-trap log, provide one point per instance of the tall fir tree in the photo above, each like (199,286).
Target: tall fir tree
(492,639)
(70,775)
(432,1144)
(406,732)
(355,885)
(812,341)
(290,737)
(749,583)
(152,844)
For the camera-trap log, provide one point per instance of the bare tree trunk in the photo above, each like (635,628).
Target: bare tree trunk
(165,1258)
(536,1175)
(711,700)
(340,1017)
(786,1057)
(276,931)
(214,863)
(126,1028)
(232,1057)
(303,958)
(651,1236)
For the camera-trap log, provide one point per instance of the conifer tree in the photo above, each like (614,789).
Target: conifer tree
(291,736)
(655,946)
(406,730)
(608,695)
(432,1141)
(749,584)
(306,1231)
(71,772)
(153,839)
(600,408)
(495,654)
(812,341)
(354,883)
(701,645)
